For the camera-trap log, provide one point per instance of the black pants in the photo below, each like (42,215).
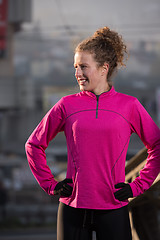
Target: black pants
(78,224)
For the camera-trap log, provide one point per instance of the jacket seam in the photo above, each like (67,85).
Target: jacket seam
(100,109)
(79,112)
(118,158)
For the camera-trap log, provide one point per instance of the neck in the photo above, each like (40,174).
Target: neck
(100,91)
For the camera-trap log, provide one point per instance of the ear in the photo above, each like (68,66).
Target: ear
(105,68)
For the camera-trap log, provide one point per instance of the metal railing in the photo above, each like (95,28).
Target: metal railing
(133,167)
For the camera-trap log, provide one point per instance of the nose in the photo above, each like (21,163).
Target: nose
(78,72)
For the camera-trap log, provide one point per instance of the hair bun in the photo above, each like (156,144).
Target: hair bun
(102,33)
(112,38)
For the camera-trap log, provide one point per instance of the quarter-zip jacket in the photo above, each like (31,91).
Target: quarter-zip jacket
(97,131)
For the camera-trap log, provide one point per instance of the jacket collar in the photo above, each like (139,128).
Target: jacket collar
(104,94)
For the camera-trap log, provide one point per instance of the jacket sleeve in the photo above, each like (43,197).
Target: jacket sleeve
(52,123)
(143,125)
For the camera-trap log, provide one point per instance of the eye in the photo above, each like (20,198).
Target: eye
(83,66)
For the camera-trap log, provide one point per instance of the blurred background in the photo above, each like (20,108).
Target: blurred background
(37,41)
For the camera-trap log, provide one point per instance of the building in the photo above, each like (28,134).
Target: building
(13,13)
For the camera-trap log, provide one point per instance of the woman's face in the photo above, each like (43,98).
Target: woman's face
(89,76)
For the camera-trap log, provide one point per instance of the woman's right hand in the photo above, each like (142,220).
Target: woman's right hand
(63,189)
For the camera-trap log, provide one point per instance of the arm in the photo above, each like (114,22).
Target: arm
(51,124)
(143,125)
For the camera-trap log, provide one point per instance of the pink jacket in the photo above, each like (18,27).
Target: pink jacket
(97,131)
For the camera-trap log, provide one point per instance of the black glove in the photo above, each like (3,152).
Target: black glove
(63,189)
(124,193)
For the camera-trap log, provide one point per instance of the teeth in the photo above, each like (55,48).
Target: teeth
(82,80)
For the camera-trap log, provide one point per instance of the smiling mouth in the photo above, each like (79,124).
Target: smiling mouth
(82,82)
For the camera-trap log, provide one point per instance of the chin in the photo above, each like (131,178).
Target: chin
(82,88)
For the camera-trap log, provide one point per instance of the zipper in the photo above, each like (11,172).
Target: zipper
(97,96)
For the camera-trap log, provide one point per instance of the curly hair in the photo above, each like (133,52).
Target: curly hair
(106,46)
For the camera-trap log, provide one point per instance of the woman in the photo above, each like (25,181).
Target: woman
(98,123)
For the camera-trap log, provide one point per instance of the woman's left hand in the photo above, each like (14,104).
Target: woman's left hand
(124,193)
(63,189)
